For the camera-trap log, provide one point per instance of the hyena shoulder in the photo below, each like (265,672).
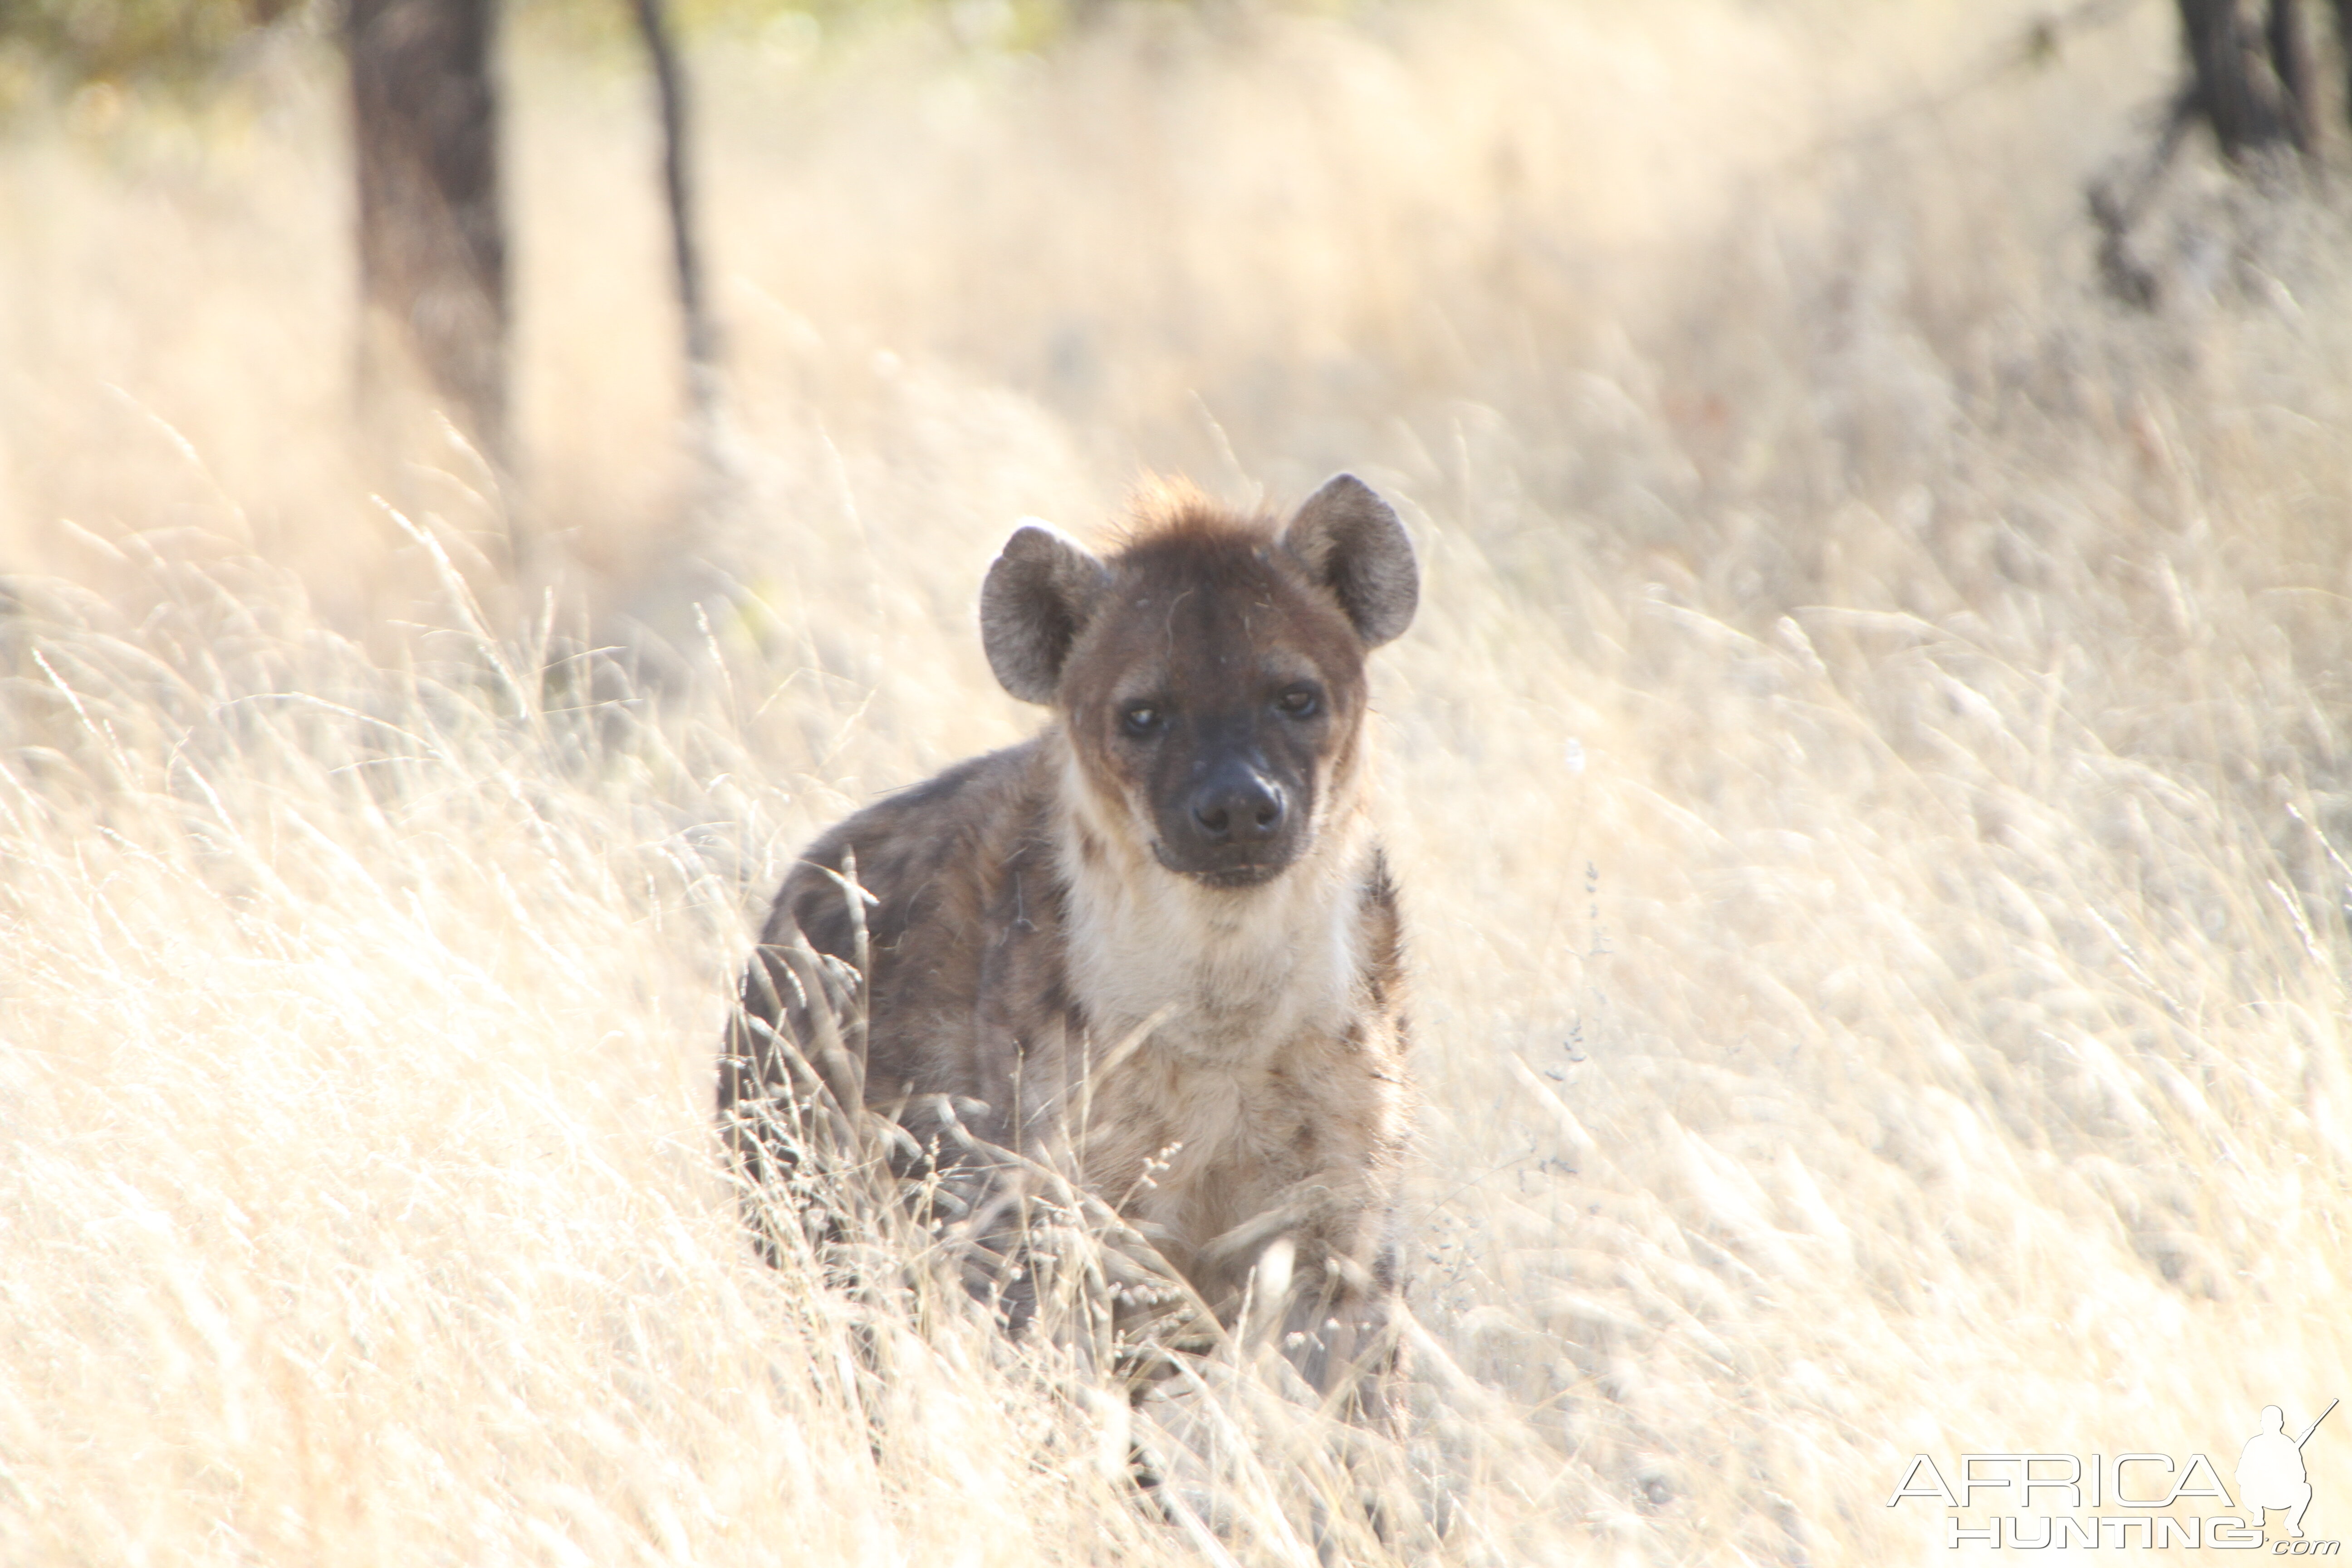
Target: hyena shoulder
(919,856)
(923,891)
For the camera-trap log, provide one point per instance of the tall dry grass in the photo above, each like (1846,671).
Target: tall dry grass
(1869,779)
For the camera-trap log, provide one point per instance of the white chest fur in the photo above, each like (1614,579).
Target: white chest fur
(1229,1071)
(1224,976)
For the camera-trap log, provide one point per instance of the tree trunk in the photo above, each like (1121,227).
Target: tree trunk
(2298,82)
(669,84)
(701,337)
(2237,94)
(2344,51)
(431,236)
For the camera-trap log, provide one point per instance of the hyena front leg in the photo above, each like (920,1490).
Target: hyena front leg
(787,1094)
(1338,1330)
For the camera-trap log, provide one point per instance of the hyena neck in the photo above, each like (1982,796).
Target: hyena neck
(1229,974)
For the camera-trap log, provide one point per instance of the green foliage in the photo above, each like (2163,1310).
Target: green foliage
(608,25)
(73,43)
(103,41)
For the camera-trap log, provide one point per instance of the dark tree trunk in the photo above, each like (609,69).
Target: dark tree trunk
(2343,50)
(701,338)
(2223,54)
(2291,65)
(2255,80)
(669,83)
(431,236)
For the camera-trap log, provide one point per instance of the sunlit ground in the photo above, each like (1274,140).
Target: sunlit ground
(1869,779)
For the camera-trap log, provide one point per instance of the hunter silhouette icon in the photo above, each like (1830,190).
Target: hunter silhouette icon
(2271,1473)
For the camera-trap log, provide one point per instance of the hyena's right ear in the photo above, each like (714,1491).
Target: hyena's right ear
(1035,601)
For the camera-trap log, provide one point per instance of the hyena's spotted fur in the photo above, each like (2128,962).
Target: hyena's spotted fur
(1156,946)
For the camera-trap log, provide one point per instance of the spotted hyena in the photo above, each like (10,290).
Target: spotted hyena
(1156,947)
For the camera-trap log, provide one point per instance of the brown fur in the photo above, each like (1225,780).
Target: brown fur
(1156,946)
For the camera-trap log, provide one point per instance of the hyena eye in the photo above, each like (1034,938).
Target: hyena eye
(1142,718)
(1300,701)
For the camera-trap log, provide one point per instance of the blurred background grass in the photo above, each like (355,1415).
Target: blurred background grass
(1870,777)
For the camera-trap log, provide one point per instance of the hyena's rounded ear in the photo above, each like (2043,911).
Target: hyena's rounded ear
(1034,604)
(1349,540)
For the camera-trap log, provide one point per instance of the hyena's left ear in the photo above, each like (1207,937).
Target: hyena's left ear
(1349,540)
(1036,599)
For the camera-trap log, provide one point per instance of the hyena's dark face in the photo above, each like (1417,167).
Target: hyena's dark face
(1212,675)
(1212,699)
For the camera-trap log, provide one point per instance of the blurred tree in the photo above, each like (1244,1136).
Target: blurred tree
(2343,49)
(678,186)
(432,243)
(432,233)
(2252,78)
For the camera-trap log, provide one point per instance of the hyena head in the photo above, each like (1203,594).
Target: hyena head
(1210,674)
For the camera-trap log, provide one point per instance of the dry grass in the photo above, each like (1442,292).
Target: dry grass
(1869,780)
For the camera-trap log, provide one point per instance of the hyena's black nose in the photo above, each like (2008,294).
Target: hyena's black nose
(1238,806)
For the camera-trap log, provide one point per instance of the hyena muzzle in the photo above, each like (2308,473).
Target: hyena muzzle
(1155,948)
